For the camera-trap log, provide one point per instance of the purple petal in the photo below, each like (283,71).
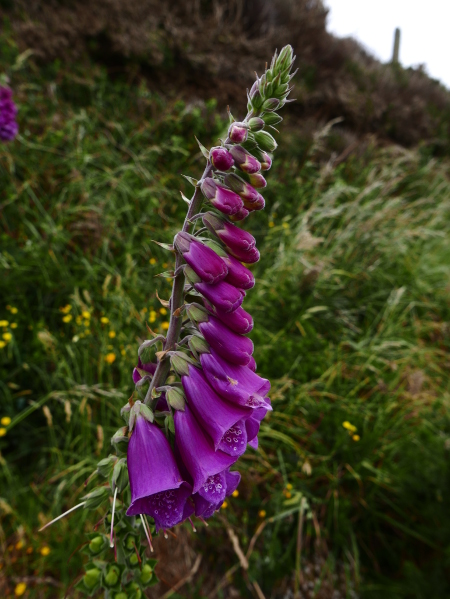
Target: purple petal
(254,443)
(252,364)
(234,441)
(238,321)
(238,274)
(232,236)
(150,368)
(222,295)
(204,261)
(221,158)
(231,346)
(238,132)
(233,479)
(197,450)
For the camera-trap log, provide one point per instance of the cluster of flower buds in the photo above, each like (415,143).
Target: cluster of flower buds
(185,437)
(8,112)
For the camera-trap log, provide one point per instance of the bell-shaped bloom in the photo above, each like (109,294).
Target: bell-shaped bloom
(8,112)
(149,368)
(238,275)
(244,189)
(221,159)
(244,160)
(224,296)
(257,180)
(223,199)
(243,213)
(232,236)
(157,488)
(238,132)
(197,450)
(234,348)
(235,383)
(211,496)
(253,423)
(238,321)
(204,261)
(221,420)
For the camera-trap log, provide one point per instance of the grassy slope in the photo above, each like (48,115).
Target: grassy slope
(351,311)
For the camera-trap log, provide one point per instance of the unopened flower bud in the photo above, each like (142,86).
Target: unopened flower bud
(198,345)
(221,159)
(96,498)
(244,160)
(238,132)
(231,235)
(272,119)
(203,260)
(244,189)
(175,398)
(257,204)
(271,104)
(119,477)
(285,58)
(256,124)
(243,213)
(223,199)
(256,100)
(265,141)
(105,466)
(257,180)
(266,161)
(180,363)
(281,89)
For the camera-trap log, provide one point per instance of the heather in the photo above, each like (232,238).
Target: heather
(351,327)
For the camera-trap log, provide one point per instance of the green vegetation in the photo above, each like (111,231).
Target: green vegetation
(352,321)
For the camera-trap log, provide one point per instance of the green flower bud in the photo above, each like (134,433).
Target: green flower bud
(281,89)
(272,118)
(119,478)
(256,124)
(104,467)
(97,544)
(112,576)
(91,578)
(146,574)
(121,595)
(271,104)
(265,141)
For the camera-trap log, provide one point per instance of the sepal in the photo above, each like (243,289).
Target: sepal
(175,398)
(105,466)
(120,439)
(119,477)
(96,498)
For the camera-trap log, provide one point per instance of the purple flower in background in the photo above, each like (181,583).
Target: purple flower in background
(157,488)
(8,112)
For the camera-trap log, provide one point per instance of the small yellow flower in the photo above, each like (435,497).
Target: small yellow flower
(162,311)
(45,550)
(20,589)
(271,224)
(235,493)
(152,260)
(289,487)
(285,225)
(14,325)
(87,331)
(5,421)
(350,427)
(2,344)
(13,310)
(7,337)
(78,320)
(144,310)
(86,314)
(356,437)
(110,358)
(224,505)
(4,323)
(112,334)
(262,513)
(165,265)
(19,545)
(87,323)
(104,320)
(66,309)
(2,432)
(123,352)
(67,318)
(165,325)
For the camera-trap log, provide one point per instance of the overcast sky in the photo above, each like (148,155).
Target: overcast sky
(425,30)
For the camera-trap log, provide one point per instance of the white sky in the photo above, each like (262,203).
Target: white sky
(424,24)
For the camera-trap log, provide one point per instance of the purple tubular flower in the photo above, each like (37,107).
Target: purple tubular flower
(232,236)
(243,213)
(257,180)
(222,421)
(234,348)
(238,132)
(244,189)
(244,160)
(238,274)
(157,488)
(266,161)
(235,383)
(8,111)
(197,450)
(221,159)
(150,368)
(238,321)
(223,199)
(222,295)
(216,488)
(203,260)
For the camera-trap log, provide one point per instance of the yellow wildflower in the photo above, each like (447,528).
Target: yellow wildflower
(288,494)
(2,344)
(19,545)
(13,310)
(235,493)
(112,334)
(289,487)
(165,265)
(144,310)
(14,325)
(20,589)
(262,513)
(162,311)
(66,309)
(78,320)
(7,337)
(350,427)
(104,320)
(2,432)
(110,358)
(4,323)
(271,224)
(86,314)
(67,318)
(356,437)
(152,260)
(224,505)
(165,325)
(5,421)
(45,550)
(285,225)
(87,323)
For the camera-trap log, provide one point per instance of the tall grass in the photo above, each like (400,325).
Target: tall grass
(352,320)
